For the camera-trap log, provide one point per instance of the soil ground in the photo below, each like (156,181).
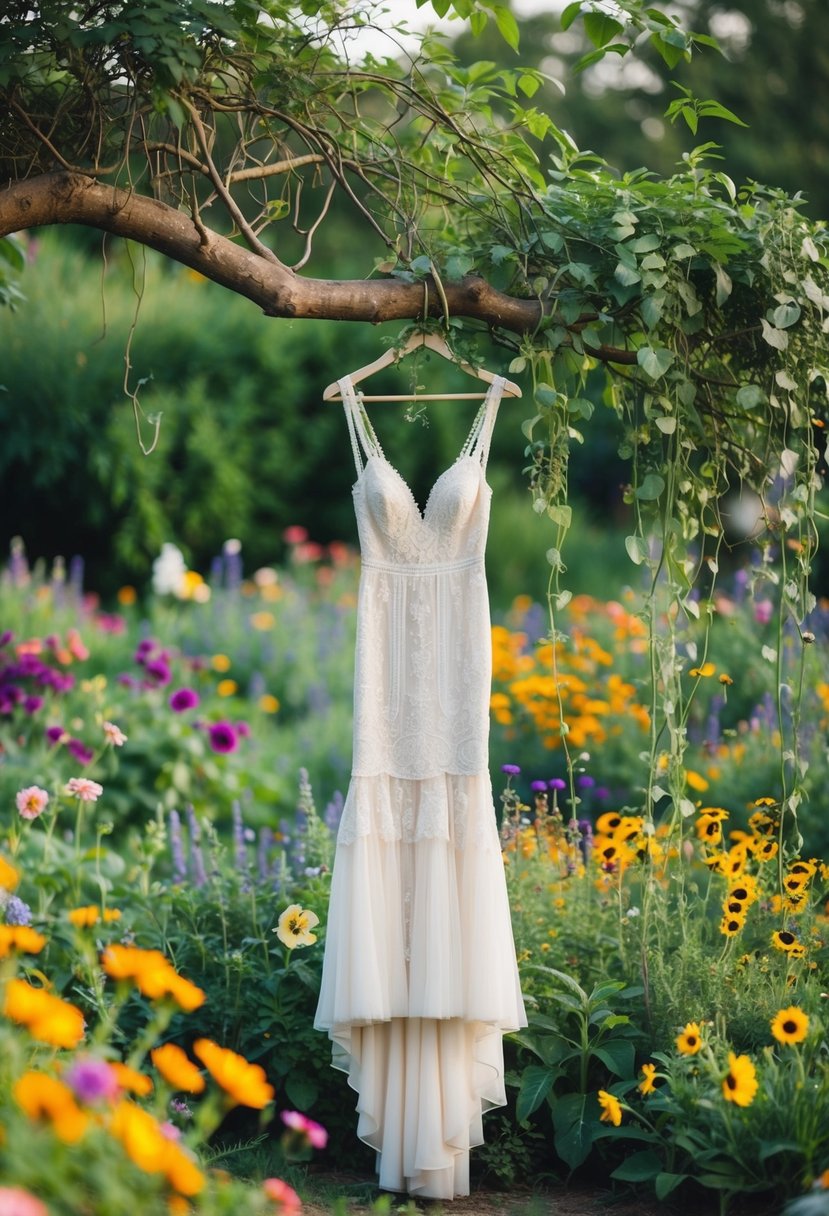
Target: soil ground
(580,1200)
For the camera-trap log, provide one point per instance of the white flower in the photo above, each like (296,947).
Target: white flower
(169,569)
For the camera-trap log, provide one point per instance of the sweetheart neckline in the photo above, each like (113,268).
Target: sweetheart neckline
(422,514)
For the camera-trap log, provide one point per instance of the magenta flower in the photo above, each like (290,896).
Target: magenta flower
(159,671)
(512,770)
(32,704)
(223,737)
(539,787)
(56,734)
(31,802)
(288,1203)
(314,1133)
(92,1080)
(5,637)
(184,699)
(79,750)
(763,611)
(558,783)
(83,788)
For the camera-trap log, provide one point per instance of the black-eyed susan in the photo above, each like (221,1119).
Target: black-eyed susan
(611,1108)
(794,884)
(744,890)
(808,869)
(714,812)
(740,1082)
(607,823)
(763,824)
(790,1025)
(798,951)
(731,924)
(764,849)
(709,830)
(783,939)
(648,1083)
(689,1042)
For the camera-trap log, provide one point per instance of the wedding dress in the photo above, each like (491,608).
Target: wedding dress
(420,979)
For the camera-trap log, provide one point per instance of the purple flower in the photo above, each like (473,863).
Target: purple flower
(601,791)
(127,681)
(180,1107)
(80,751)
(159,671)
(17,912)
(184,699)
(92,1080)
(585,782)
(540,787)
(512,770)
(558,783)
(5,637)
(243,730)
(763,611)
(32,704)
(143,649)
(55,734)
(223,737)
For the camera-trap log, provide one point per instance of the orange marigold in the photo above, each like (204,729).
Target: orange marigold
(47,1017)
(245,1082)
(46,1098)
(177,1068)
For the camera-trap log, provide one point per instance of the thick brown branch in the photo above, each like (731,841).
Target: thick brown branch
(71,198)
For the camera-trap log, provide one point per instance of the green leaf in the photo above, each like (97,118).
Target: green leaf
(654,363)
(617,1055)
(302,1091)
(529,84)
(645,243)
(507,27)
(637,549)
(626,274)
(666,425)
(651,488)
(569,15)
(786,314)
(664,1183)
(723,284)
(640,1167)
(778,338)
(601,29)
(458,265)
(536,1083)
(574,1133)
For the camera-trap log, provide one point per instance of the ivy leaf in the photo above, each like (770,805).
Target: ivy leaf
(778,338)
(651,488)
(654,363)
(750,396)
(637,548)
(627,275)
(786,314)
(457,265)
(666,425)
(644,244)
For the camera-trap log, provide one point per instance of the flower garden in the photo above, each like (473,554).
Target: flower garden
(172,772)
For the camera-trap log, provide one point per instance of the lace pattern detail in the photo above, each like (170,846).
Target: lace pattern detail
(457,809)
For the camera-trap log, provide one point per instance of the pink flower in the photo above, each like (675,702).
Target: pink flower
(83,788)
(314,1133)
(285,1197)
(295,534)
(92,1080)
(32,801)
(114,735)
(14,1201)
(763,611)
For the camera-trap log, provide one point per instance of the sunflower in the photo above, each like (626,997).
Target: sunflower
(690,1041)
(648,1083)
(783,939)
(740,1082)
(611,1108)
(790,1025)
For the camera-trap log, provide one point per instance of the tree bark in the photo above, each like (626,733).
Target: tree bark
(72,198)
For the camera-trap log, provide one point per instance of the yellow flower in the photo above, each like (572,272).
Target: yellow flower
(127,595)
(9,876)
(709,830)
(703,672)
(790,1025)
(45,1016)
(226,688)
(177,1069)
(20,937)
(783,939)
(245,1082)
(268,703)
(690,1041)
(740,1082)
(131,1080)
(220,662)
(294,927)
(611,1108)
(262,620)
(648,1083)
(732,923)
(47,1098)
(90,914)
(141,1136)
(152,974)
(724,679)
(695,780)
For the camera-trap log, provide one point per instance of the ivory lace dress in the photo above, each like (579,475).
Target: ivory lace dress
(420,979)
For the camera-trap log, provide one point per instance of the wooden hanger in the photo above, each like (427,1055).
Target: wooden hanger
(417,341)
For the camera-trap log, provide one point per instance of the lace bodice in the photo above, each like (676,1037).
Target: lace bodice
(423,663)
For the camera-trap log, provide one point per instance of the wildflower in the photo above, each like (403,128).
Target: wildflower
(314,1133)
(294,927)
(262,620)
(764,850)
(511,770)
(268,703)
(79,751)
(740,1082)
(31,801)
(91,1080)
(20,937)
(177,1069)
(84,789)
(703,672)
(709,830)
(732,923)
(158,671)
(14,1201)
(183,699)
(227,688)
(114,735)
(16,911)
(47,1018)
(9,876)
(131,1080)
(724,679)
(608,822)
(790,1025)
(148,1146)
(797,951)
(46,1098)
(696,781)
(90,914)
(689,1041)
(285,1197)
(611,1108)
(220,662)
(246,1083)
(152,974)
(223,737)
(648,1083)
(783,939)
(56,734)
